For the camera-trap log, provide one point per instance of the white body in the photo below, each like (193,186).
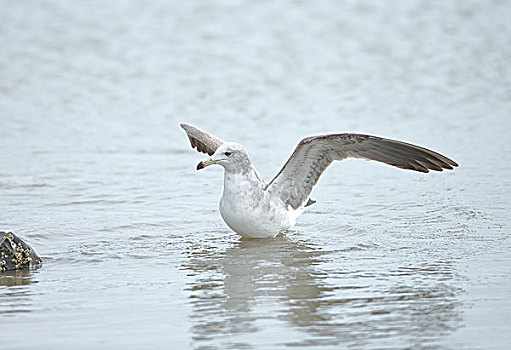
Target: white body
(251,211)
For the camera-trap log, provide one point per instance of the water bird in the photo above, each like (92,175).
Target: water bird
(255,209)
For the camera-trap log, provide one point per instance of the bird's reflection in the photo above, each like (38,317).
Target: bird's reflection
(234,281)
(240,290)
(279,269)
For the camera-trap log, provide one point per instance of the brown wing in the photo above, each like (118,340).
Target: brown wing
(201,140)
(314,154)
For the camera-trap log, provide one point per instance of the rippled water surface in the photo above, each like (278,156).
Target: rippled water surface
(97,176)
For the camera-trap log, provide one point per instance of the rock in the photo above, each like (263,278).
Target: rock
(16,254)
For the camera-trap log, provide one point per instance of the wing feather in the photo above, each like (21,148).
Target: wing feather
(314,154)
(204,142)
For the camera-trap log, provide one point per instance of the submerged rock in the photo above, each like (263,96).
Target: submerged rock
(16,254)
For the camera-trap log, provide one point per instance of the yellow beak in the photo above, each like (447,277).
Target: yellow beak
(206,163)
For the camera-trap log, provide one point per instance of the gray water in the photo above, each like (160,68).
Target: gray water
(97,176)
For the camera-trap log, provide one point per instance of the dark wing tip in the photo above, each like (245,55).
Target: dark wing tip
(201,140)
(310,202)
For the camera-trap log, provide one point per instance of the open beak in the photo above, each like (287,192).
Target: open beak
(206,163)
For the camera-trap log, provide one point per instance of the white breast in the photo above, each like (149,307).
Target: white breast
(249,211)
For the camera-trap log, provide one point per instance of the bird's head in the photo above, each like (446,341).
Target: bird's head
(232,156)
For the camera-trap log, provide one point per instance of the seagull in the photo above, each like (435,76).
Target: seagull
(255,209)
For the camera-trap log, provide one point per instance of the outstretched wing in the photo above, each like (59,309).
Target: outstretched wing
(203,141)
(314,154)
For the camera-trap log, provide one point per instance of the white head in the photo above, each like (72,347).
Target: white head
(232,156)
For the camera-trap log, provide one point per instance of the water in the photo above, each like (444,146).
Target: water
(97,176)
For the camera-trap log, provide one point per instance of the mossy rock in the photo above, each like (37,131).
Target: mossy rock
(16,254)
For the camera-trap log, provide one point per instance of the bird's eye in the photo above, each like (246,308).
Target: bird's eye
(227,154)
